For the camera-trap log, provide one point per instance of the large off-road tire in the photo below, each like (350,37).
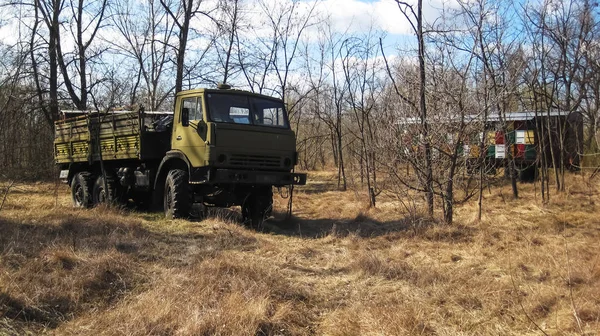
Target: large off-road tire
(81,190)
(112,195)
(177,195)
(257,207)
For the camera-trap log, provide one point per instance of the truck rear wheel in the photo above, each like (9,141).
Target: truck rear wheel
(81,192)
(102,195)
(177,196)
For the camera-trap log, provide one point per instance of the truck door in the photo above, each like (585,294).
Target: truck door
(189,131)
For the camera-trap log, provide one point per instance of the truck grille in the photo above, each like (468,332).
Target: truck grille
(263,161)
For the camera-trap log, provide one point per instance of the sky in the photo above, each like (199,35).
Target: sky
(353,16)
(345,16)
(358,14)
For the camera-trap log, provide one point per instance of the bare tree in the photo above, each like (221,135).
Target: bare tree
(24,112)
(146,33)
(495,45)
(362,72)
(50,11)
(232,11)
(414,15)
(562,33)
(182,12)
(86,18)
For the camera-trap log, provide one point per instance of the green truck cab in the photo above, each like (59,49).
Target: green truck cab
(220,147)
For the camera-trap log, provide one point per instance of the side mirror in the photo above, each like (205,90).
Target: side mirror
(185,116)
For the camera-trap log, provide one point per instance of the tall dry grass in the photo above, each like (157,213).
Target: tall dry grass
(337,268)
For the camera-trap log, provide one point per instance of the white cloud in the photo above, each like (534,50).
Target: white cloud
(352,16)
(357,16)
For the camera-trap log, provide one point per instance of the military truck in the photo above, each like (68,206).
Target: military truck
(220,147)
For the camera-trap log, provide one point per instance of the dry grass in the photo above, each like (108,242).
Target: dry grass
(338,268)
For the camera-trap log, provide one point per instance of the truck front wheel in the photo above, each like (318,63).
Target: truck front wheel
(81,192)
(177,196)
(257,206)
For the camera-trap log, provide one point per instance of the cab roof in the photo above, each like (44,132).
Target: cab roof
(230,91)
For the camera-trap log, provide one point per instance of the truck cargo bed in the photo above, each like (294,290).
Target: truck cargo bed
(108,136)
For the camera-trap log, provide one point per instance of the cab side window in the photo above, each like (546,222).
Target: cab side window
(198,115)
(194,107)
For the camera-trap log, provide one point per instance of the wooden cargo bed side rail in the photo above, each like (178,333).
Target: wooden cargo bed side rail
(115,136)
(71,140)
(116,133)
(76,139)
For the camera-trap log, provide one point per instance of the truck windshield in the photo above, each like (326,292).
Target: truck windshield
(240,109)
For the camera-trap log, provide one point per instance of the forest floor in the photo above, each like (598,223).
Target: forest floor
(337,268)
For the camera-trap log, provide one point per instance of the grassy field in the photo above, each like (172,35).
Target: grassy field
(337,268)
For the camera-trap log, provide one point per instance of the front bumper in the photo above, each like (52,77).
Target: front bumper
(225,176)
(257,177)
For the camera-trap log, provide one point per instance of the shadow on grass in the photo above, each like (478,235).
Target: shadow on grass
(361,226)
(366,227)
(66,265)
(318,187)
(319,228)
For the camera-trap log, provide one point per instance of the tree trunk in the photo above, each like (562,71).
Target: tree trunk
(341,169)
(231,38)
(52,57)
(183,37)
(423,108)
(82,60)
